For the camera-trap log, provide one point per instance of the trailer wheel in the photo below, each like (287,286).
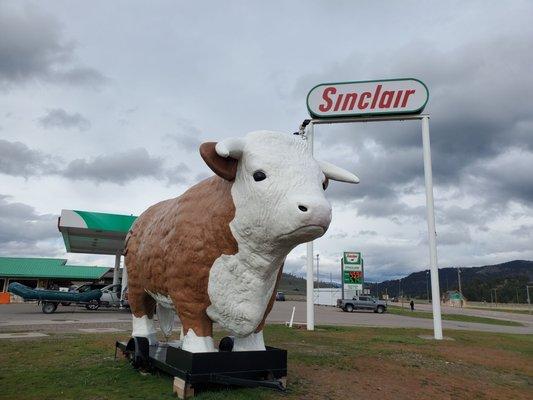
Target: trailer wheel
(93,305)
(49,307)
(348,308)
(138,351)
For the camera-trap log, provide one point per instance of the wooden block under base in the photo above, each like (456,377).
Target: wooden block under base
(283,381)
(182,389)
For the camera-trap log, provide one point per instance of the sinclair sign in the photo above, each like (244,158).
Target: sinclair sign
(352,270)
(367,98)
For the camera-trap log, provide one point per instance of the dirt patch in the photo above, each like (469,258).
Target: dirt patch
(382,379)
(492,358)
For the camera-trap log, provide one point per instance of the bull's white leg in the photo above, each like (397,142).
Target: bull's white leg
(251,342)
(198,344)
(144,327)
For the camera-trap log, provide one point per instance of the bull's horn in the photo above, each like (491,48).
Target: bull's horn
(337,173)
(231,147)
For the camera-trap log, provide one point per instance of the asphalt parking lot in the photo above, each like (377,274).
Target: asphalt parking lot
(27,317)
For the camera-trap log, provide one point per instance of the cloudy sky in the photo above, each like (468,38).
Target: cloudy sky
(103,106)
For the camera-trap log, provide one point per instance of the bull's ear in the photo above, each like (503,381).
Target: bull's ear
(337,173)
(225,167)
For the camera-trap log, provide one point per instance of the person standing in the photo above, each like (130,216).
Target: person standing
(412,304)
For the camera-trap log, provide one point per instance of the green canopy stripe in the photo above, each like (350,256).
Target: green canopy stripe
(107,222)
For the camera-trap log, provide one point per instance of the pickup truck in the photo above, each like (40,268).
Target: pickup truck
(362,303)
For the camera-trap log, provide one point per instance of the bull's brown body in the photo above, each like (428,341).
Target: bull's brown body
(172,247)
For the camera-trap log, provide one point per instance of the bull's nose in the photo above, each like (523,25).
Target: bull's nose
(313,211)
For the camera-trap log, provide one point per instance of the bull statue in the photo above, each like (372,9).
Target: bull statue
(216,253)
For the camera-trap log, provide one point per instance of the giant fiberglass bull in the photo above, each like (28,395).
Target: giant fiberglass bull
(216,253)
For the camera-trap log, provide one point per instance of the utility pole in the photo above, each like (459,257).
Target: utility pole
(399,285)
(427,285)
(528,298)
(401,292)
(459,280)
(517,300)
(317,275)
(495,297)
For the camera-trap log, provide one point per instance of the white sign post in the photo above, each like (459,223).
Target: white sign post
(376,101)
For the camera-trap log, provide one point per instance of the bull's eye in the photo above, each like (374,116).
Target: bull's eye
(325,184)
(259,176)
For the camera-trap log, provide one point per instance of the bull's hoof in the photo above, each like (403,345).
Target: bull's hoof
(226,344)
(198,344)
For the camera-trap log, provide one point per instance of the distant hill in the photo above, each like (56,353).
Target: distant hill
(292,284)
(509,279)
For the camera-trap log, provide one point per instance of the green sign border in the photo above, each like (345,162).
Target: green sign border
(417,111)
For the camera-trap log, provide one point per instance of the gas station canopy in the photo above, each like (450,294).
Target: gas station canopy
(94,233)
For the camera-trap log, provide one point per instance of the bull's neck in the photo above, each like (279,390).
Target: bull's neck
(261,259)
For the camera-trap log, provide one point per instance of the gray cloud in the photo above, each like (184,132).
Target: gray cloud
(505,178)
(59,118)
(178,174)
(117,168)
(188,136)
(21,225)
(453,236)
(480,108)
(337,235)
(32,47)
(17,159)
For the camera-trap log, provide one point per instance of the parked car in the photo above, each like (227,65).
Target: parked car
(362,303)
(86,287)
(280,296)
(110,295)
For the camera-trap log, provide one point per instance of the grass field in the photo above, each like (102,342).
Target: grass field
(451,317)
(330,363)
(508,310)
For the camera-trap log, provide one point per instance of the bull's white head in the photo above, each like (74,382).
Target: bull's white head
(278,188)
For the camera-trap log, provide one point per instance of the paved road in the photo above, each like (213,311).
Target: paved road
(28,317)
(333,316)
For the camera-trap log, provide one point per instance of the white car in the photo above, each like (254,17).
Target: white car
(111,296)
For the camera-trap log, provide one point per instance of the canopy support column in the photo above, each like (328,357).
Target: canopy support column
(124,283)
(117,268)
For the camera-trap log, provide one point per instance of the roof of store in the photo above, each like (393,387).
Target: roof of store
(22,267)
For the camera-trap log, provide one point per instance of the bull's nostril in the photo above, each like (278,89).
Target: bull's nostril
(302,208)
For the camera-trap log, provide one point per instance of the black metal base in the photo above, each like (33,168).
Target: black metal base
(243,368)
